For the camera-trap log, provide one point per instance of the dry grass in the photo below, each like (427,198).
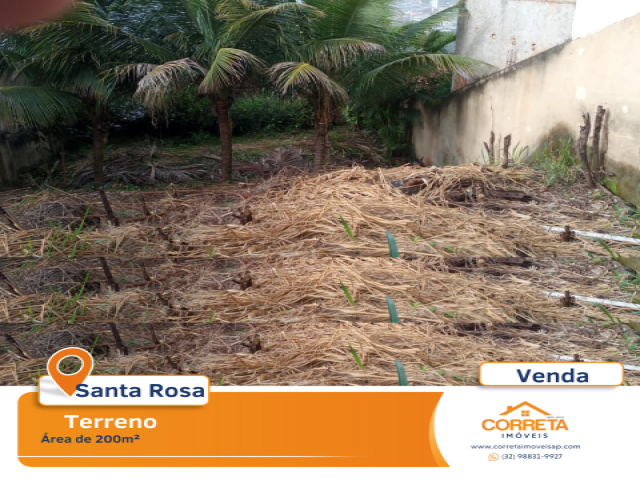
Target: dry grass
(317,353)
(298,254)
(300,216)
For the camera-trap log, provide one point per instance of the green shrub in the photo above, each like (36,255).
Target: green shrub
(268,113)
(189,114)
(559,164)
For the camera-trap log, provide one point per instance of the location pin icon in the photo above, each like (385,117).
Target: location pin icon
(68,383)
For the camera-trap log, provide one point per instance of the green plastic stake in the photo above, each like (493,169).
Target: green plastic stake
(393,311)
(393,246)
(402,375)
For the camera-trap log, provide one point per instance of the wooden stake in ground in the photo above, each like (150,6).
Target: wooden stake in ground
(107,206)
(244,280)
(567,300)
(63,163)
(107,273)
(119,343)
(10,285)
(10,219)
(116,288)
(491,148)
(567,235)
(13,341)
(585,130)
(507,145)
(145,274)
(145,209)
(598,163)
(154,337)
(244,215)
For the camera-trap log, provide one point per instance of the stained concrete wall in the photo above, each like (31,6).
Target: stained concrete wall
(20,149)
(546,96)
(16,154)
(504,32)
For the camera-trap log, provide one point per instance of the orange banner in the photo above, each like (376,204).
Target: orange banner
(253,429)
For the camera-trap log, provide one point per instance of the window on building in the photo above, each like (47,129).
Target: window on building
(525,413)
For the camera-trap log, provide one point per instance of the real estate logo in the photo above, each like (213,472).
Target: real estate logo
(525,420)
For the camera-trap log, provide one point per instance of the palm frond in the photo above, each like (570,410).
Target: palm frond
(367,20)
(204,17)
(10,60)
(154,88)
(245,23)
(131,72)
(437,40)
(290,76)
(36,107)
(413,33)
(431,62)
(184,42)
(86,29)
(83,13)
(338,53)
(229,67)
(82,81)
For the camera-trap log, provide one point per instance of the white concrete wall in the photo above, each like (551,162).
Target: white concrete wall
(593,15)
(544,97)
(503,32)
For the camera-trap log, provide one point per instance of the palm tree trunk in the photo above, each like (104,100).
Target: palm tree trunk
(63,162)
(98,153)
(222,110)
(5,175)
(322,132)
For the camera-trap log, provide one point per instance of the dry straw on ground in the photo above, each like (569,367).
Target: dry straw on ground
(309,289)
(319,353)
(457,308)
(300,216)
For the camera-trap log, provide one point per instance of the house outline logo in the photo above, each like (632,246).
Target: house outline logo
(511,409)
(525,417)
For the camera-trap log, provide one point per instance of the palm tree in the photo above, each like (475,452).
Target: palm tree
(357,47)
(74,55)
(218,44)
(412,50)
(346,32)
(34,107)
(417,68)
(323,94)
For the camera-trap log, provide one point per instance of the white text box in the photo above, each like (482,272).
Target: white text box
(556,374)
(148,390)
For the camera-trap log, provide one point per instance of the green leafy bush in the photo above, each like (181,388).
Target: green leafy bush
(268,113)
(559,164)
(189,114)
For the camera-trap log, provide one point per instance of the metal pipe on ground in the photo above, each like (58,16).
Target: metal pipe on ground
(602,301)
(572,359)
(603,236)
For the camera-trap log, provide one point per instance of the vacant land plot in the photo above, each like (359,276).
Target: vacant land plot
(295,280)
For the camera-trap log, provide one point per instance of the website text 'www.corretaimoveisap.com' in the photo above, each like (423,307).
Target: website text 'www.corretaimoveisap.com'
(526,447)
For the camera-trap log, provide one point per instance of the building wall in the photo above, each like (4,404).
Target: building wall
(504,32)
(543,97)
(16,154)
(19,150)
